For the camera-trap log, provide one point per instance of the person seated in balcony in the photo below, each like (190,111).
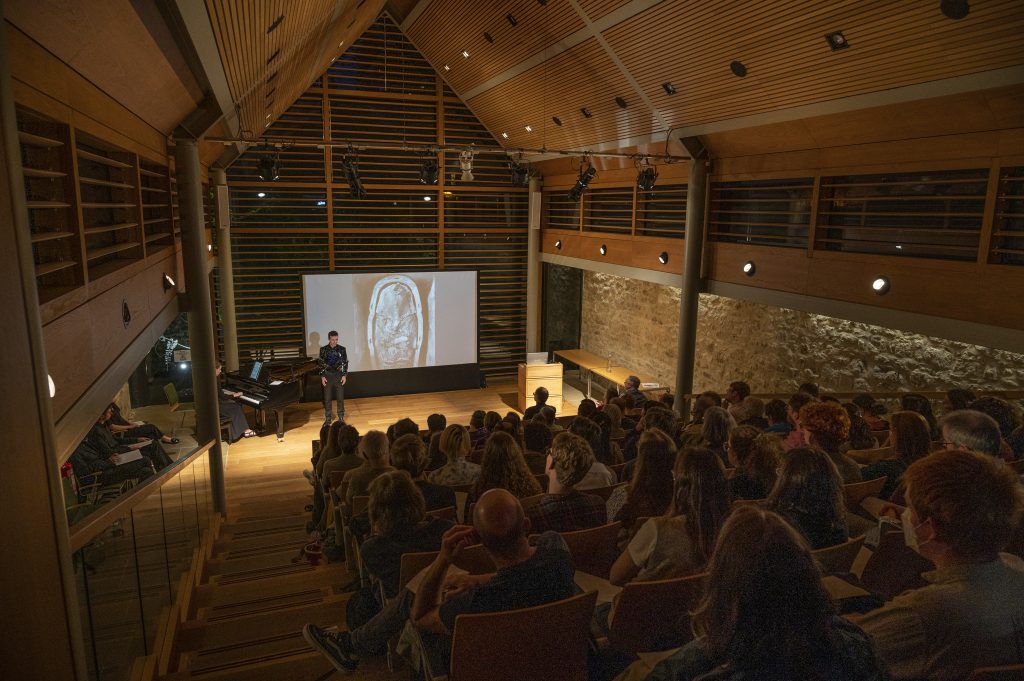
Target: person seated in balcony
(87,461)
(124,428)
(103,440)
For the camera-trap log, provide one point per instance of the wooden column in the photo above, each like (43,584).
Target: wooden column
(533,269)
(43,639)
(696,194)
(226,275)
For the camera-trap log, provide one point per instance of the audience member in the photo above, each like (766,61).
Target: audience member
(374,449)
(563,508)
(962,509)
(610,452)
(538,438)
(454,444)
(734,396)
(528,575)
(396,515)
(860,432)
(869,411)
(478,433)
(755,456)
(513,425)
(751,411)
(649,491)
(587,408)
(632,388)
(809,495)
(1009,419)
(796,436)
(778,418)
(680,542)
(659,418)
(957,399)
(923,406)
(910,440)
(492,419)
(809,388)
(105,443)
(503,467)
(625,404)
(124,428)
(826,426)
(615,415)
(548,412)
(972,431)
(692,433)
(766,615)
(718,423)
(87,460)
(408,454)
(668,399)
(404,426)
(340,457)
(599,474)
(540,398)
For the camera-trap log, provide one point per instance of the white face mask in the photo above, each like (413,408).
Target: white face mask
(910,531)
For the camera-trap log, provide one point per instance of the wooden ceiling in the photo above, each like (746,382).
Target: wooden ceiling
(565,55)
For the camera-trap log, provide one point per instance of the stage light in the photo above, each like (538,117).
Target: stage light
(955,9)
(669,88)
(749,268)
(586,112)
(447,68)
(558,244)
(520,173)
(465,54)
(880,285)
(53,386)
(738,69)
(321,202)
(581,183)
(504,135)
(429,171)
(620,102)
(426,198)
(556,120)
(603,250)
(836,40)
(663,258)
(261,195)
(646,178)
(488,37)
(269,167)
(183,366)
(466,163)
(209,248)
(355,185)
(168,283)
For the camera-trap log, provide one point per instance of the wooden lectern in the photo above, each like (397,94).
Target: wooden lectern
(533,376)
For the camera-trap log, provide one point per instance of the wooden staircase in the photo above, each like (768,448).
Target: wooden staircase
(239,611)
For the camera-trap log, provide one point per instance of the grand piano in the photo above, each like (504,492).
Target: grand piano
(269,386)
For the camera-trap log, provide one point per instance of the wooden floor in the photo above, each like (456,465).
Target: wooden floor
(255,594)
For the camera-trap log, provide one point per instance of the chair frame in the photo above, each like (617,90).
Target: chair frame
(839,558)
(641,605)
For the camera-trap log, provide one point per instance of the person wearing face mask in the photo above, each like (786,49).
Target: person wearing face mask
(962,508)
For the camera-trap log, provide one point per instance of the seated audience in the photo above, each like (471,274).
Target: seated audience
(718,423)
(540,398)
(734,396)
(751,411)
(436,423)
(587,408)
(692,433)
(809,495)
(1009,419)
(668,399)
(563,508)
(86,461)
(599,474)
(910,440)
(408,454)
(796,437)
(503,467)
(340,453)
(538,438)
(962,509)
(615,415)
(826,426)
(610,453)
(478,434)
(106,444)
(454,444)
(680,542)
(649,492)
(232,411)
(778,418)
(513,425)
(625,404)
(396,515)
(923,406)
(766,615)
(659,418)
(861,436)
(755,456)
(373,448)
(124,428)
(491,421)
(548,412)
(971,431)
(631,388)
(957,399)
(869,411)
(528,574)
(811,389)
(402,427)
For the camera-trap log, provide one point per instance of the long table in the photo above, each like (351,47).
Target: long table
(591,364)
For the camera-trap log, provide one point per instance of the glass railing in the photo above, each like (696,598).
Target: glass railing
(129,557)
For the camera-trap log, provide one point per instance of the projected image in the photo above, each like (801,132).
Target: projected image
(392,320)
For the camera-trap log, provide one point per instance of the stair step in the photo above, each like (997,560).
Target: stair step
(225,568)
(264,539)
(293,661)
(256,527)
(198,636)
(216,595)
(249,548)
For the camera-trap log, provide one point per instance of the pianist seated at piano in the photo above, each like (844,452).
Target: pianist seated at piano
(229,409)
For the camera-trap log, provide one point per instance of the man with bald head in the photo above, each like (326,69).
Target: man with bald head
(529,574)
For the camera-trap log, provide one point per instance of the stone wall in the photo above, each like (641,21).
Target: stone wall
(635,323)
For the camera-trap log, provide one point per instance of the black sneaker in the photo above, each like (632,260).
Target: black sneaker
(335,647)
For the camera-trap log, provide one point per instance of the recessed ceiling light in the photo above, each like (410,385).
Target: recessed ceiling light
(556,120)
(621,102)
(511,19)
(447,68)
(505,135)
(749,268)
(268,115)
(488,37)
(529,129)
(586,112)
(880,285)
(738,69)
(341,43)
(663,258)
(955,9)
(669,88)
(465,54)
(836,40)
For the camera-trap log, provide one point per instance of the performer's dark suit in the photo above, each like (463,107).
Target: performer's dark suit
(333,365)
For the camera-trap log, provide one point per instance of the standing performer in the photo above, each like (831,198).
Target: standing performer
(333,364)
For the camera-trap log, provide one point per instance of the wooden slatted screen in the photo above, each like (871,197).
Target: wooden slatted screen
(764,212)
(379,92)
(936,214)
(661,211)
(608,210)
(1008,232)
(559,211)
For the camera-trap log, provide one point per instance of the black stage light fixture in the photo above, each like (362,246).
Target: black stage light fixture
(428,171)
(738,69)
(520,173)
(646,178)
(586,112)
(355,185)
(955,9)
(556,120)
(581,183)
(836,40)
(269,167)
(663,258)
(620,102)
(511,19)
(488,37)
(881,285)
(669,88)
(749,268)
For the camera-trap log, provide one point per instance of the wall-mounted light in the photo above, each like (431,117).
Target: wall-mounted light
(465,54)
(836,40)
(749,268)
(880,285)
(603,250)
(53,386)
(738,69)
(427,198)
(581,183)
(669,88)
(168,283)
(429,171)
(558,244)
(209,247)
(663,258)
(646,178)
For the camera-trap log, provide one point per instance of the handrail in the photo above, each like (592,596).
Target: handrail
(931,395)
(95,523)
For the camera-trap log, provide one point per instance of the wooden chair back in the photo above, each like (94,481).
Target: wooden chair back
(529,502)
(544,643)
(652,615)
(473,559)
(856,492)
(1010,672)
(465,489)
(894,567)
(839,558)
(359,505)
(617,469)
(595,549)
(869,456)
(446,513)
(882,436)
(604,492)
(335,478)
(1017,466)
